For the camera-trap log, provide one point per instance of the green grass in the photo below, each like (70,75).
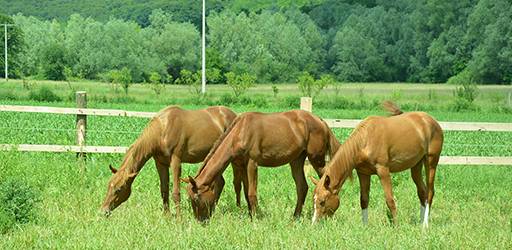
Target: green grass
(472,206)
(471,210)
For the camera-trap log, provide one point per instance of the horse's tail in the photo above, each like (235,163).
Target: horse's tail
(218,142)
(392,108)
(332,143)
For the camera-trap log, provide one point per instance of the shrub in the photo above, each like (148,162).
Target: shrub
(192,80)
(17,203)
(275,90)
(155,83)
(240,83)
(54,57)
(464,77)
(44,94)
(465,94)
(311,87)
(123,77)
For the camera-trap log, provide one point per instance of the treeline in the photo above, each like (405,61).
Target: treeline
(390,41)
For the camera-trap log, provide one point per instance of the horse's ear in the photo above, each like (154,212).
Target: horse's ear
(327,182)
(315,181)
(193,183)
(112,169)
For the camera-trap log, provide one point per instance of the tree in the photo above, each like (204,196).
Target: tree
(16,45)
(357,57)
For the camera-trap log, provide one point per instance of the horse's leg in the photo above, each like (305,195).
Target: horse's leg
(364,185)
(431,166)
(245,181)
(252,175)
(420,187)
(301,185)
(163,172)
(385,180)
(237,179)
(176,174)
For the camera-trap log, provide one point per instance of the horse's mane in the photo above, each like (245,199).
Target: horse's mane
(217,144)
(142,148)
(344,159)
(392,108)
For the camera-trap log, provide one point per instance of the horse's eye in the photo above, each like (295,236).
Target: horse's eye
(322,203)
(117,190)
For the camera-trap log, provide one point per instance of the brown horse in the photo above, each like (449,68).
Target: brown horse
(380,145)
(268,140)
(173,136)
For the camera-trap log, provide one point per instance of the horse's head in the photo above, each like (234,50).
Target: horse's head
(202,201)
(325,199)
(119,189)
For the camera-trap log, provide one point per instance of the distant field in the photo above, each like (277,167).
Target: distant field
(472,206)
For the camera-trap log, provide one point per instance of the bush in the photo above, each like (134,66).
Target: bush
(464,77)
(54,57)
(465,94)
(311,87)
(123,77)
(192,80)
(155,82)
(17,203)
(240,83)
(44,94)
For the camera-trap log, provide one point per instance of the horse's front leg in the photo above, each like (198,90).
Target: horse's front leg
(176,174)
(163,172)
(385,180)
(301,185)
(364,185)
(252,175)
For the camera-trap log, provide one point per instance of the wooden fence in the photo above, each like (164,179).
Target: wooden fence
(82,112)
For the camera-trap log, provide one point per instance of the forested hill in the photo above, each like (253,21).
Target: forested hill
(138,10)
(274,40)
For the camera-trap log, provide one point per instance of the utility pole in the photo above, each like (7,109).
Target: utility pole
(203,48)
(6,74)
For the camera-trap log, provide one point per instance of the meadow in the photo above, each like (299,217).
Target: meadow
(472,206)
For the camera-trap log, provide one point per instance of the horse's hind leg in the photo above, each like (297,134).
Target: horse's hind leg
(176,174)
(431,166)
(163,172)
(301,185)
(420,187)
(385,179)
(364,184)
(252,176)
(238,176)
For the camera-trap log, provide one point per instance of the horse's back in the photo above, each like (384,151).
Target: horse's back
(191,133)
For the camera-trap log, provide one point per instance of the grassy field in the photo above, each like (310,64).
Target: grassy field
(472,207)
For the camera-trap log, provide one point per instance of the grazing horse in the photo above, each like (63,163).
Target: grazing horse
(173,136)
(268,140)
(380,145)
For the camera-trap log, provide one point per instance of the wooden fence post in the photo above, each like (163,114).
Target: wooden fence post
(306,103)
(81,121)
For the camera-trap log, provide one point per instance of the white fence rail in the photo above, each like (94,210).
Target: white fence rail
(305,104)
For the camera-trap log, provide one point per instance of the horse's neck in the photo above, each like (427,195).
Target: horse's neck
(216,164)
(138,154)
(345,161)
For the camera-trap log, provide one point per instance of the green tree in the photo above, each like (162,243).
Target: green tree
(240,83)
(15,48)
(357,57)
